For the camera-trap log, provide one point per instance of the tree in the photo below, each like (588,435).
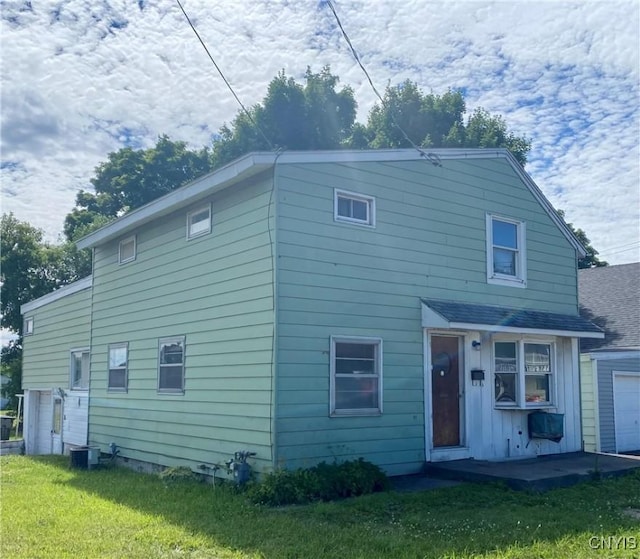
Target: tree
(29,268)
(131,178)
(591,260)
(291,116)
(430,120)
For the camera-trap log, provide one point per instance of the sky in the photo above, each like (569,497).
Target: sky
(82,78)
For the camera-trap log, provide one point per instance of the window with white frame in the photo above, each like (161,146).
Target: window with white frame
(523,373)
(27,327)
(506,251)
(354,208)
(356,376)
(171,364)
(118,366)
(79,369)
(199,222)
(127,250)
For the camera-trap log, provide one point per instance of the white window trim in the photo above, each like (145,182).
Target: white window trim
(371,208)
(169,339)
(71,352)
(521,403)
(333,412)
(27,329)
(190,214)
(520,279)
(124,388)
(135,250)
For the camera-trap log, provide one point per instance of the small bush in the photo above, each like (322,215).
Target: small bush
(324,482)
(178,474)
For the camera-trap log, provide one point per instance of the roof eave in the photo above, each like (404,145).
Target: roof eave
(240,169)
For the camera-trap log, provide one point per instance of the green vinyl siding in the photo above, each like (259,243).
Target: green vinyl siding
(337,279)
(216,290)
(59,326)
(588,404)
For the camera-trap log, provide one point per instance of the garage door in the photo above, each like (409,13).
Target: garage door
(626,389)
(43,425)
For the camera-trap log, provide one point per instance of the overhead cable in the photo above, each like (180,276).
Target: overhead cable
(432,157)
(224,78)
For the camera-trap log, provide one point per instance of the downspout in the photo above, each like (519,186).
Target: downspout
(273,233)
(93,264)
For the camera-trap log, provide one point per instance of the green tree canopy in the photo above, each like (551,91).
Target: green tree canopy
(315,115)
(437,121)
(591,260)
(131,178)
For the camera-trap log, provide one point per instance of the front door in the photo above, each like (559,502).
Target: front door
(445,390)
(56,426)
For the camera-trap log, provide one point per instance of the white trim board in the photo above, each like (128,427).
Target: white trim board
(64,291)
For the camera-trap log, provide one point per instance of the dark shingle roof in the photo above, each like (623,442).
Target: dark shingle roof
(610,297)
(509,317)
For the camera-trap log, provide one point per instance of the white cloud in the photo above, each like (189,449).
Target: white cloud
(80,78)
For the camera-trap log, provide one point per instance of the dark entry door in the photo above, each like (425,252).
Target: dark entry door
(445,390)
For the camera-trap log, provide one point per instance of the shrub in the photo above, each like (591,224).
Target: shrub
(324,482)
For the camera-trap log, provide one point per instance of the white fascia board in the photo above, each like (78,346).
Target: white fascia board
(514,330)
(239,169)
(65,291)
(385,155)
(540,197)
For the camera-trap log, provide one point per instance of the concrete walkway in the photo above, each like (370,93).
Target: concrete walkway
(538,474)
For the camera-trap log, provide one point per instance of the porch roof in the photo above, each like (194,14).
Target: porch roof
(465,316)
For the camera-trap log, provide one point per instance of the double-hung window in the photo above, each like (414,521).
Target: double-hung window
(523,373)
(127,250)
(171,364)
(506,251)
(79,369)
(118,366)
(356,376)
(354,208)
(199,222)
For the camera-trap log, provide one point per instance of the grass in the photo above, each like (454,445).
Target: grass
(50,511)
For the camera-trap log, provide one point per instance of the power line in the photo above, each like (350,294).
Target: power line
(224,78)
(430,156)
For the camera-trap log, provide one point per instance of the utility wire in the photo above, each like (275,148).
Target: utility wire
(225,79)
(430,156)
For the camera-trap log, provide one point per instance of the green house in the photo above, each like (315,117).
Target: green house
(309,306)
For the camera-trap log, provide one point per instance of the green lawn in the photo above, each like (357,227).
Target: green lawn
(51,511)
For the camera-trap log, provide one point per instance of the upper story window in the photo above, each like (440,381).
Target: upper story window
(506,252)
(199,222)
(118,365)
(356,376)
(127,250)
(27,327)
(354,208)
(79,365)
(523,374)
(171,364)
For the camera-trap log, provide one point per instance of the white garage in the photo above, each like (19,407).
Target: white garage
(626,405)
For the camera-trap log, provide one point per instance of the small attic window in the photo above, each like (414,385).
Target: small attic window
(127,250)
(27,329)
(199,222)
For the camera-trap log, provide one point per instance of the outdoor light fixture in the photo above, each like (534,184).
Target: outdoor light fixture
(475,344)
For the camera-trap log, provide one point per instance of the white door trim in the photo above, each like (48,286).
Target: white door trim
(446,453)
